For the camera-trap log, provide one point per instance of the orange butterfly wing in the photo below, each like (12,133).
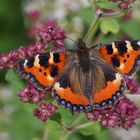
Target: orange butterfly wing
(107,96)
(42,69)
(124,56)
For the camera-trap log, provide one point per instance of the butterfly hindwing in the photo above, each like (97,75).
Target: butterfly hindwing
(100,87)
(124,56)
(41,69)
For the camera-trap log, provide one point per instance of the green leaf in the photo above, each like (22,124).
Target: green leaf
(24,126)
(132,28)
(15,82)
(90,2)
(56,117)
(90,128)
(67,116)
(75,136)
(103,135)
(107,4)
(10,76)
(87,14)
(49,97)
(54,130)
(109,25)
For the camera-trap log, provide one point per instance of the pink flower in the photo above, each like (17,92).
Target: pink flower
(128,15)
(123,114)
(50,33)
(33,15)
(44,111)
(132,85)
(124,4)
(7,60)
(30,94)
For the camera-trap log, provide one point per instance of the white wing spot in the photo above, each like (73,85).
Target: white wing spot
(138,43)
(50,78)
(118,78)
(25,63)
(121,66)
(115,50)
(57,87)
(36,62)
(128,45)
(51,58)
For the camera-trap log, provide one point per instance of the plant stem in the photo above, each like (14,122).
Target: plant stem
(71,129)
(84,125)
(45,134)
(106,14)
(77,120)
(89,40)
(66,136)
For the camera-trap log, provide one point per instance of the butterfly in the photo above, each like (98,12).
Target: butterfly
(86,78)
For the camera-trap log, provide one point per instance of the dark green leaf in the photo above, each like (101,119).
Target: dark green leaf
(56,117)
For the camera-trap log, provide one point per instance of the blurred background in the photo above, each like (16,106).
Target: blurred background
(17,20)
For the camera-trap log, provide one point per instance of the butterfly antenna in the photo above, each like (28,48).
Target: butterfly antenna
(99,16)
(65,36)
(71,39)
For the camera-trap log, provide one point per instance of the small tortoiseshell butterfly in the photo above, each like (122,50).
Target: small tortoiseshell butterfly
(85,78)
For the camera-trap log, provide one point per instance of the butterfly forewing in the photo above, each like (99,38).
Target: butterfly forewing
(122,55)
(41,69)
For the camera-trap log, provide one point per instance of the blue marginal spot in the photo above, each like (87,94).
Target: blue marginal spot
(68,104)
(103,103)
(96,105)
(110,101)
(137,61)
(114,97)
(74,107)
(88,107)
(63,102)
(56,97)
(122,88)
(118,94)
(81,107)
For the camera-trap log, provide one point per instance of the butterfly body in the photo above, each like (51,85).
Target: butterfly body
(85,78)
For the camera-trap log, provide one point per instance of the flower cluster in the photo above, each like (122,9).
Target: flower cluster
(124,114)
(30,94)
(124,4)
(45,111)
(132,85)
(50,33)
(47,31)
(7,60)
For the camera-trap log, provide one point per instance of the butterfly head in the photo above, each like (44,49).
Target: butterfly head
(81,45)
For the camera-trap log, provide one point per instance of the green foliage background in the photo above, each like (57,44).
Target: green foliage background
(20,124)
